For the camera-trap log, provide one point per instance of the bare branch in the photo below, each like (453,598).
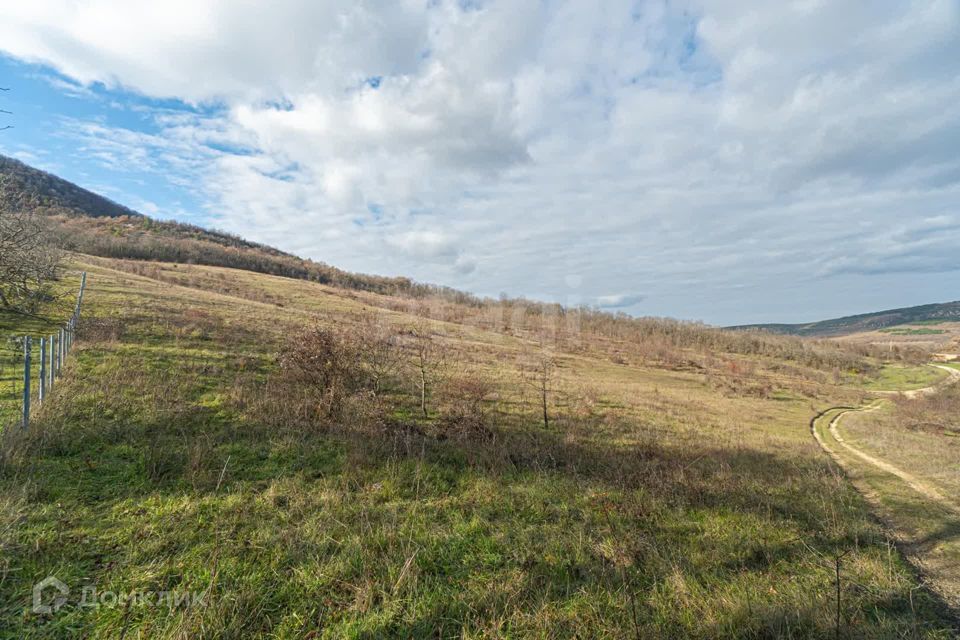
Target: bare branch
(28,264)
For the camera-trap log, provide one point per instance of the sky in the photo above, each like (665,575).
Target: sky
(724,161)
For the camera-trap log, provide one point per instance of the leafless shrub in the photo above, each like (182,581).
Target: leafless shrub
(323,367)
(378,352)
(28,263)
(937,413)
(465,410)
(327,379)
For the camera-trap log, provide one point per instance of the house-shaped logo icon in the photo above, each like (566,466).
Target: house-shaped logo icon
(53,586)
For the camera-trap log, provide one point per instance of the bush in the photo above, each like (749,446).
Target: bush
(324,368)
(464,413)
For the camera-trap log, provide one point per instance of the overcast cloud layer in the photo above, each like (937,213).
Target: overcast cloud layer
(730,161)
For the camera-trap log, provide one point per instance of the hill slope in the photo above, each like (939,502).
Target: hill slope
(86,222)
(181,455)
(927,313)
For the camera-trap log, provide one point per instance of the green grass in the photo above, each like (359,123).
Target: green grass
(666,509)
(896,377)
(13,327)
(912,331)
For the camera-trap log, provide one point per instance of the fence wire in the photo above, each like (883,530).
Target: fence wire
(47,356)
(11,381)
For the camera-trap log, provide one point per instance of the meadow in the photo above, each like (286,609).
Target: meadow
(674,492)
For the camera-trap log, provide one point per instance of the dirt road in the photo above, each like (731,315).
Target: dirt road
(831,437)
(925,522)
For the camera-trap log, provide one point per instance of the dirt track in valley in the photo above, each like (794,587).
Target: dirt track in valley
(915,483)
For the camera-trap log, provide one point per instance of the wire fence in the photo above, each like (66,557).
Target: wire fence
(30,366)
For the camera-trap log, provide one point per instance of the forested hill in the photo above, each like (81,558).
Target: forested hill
(24,186)
(86,222)
(927,313)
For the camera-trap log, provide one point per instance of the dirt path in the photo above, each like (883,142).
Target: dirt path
(915,483)
(926,525)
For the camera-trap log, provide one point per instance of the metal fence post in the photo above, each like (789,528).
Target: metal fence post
(60,352)
(43,369)
(53,358)
(26,381)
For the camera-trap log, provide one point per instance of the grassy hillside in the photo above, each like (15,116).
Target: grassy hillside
(677,492)
(83,221)
(927,314)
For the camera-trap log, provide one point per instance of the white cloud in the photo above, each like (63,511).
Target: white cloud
(701,151)
(425,245)
(618,300)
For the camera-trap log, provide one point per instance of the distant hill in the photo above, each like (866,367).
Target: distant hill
(927,313)
(86,222)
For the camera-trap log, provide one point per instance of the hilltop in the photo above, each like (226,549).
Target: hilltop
(923,314)
(86,222)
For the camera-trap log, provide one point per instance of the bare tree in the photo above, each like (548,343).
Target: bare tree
(28,264)
(378,351)
(429,361)
(539,373)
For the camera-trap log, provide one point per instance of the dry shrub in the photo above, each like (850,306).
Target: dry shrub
(349,380)
(378,351)
(364,412)
(326,379)
(738,385)
(323,367)
(585,402)
(465,410)
(937,413)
